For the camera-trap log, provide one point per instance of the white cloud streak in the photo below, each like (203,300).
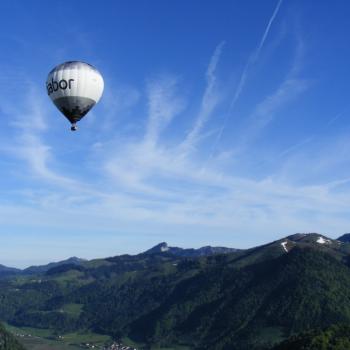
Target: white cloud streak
(163,106)
(27,144)
(267,29)
(209,101)
(242,81)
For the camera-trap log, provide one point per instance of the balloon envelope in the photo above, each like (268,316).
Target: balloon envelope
(74,87)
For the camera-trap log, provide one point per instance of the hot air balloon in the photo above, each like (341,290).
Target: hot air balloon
(74,87)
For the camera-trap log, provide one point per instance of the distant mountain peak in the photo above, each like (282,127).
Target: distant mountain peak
(344,238)
(43,268)
(163,247)
(310,238)
(74,259)
(159,248)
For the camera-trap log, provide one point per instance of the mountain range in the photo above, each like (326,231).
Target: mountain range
(31,270)
(159,248)
(203,251)
(207,298)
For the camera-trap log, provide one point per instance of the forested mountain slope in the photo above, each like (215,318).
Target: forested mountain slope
(247,299)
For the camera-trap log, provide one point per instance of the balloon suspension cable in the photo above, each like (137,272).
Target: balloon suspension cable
(74,127)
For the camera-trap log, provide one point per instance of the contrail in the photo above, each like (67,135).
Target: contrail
(262,41)
(206,104)
(252,59)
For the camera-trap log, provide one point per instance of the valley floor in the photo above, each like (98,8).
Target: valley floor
(45,339)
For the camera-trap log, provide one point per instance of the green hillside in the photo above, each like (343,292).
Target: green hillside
(8,341)
(336,337)
(250,299)
(223,307)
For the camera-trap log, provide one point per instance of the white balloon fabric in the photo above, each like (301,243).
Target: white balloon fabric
(74,87)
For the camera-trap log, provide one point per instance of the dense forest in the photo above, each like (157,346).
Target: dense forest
(252,299)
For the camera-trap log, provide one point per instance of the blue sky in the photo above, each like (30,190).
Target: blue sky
(222,123)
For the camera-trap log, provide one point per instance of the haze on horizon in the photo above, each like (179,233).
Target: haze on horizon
(221,124)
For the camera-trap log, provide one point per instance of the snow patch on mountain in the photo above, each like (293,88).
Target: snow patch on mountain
(164,248)
(322,240)
(283,244)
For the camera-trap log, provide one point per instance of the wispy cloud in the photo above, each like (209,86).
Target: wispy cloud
(29,123)
(265,111)
(163,106)
(253,58)
(209,101)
